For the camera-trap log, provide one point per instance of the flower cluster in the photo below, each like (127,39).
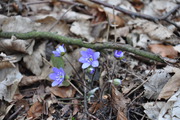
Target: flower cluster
(89,59)
(59,74)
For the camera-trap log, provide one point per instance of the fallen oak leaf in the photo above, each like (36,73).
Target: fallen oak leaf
(63,92)
(171,86)
(164,50)
(35,110)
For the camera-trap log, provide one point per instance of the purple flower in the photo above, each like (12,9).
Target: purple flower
(89,58)
(57,76)
(60,51)
(118,54)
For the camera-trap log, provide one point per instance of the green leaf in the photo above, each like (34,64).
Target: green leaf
(57,61)
(65,83)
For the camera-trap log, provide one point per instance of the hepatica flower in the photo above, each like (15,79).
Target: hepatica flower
(89,58)
(57,76)
(118,54)
(60,51)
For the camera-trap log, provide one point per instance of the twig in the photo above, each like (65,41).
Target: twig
(16,112)
(79,42)
(147,17)
(74,87)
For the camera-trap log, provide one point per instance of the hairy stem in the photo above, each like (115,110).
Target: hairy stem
(79,42)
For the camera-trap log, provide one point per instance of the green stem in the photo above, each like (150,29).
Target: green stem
(79,42)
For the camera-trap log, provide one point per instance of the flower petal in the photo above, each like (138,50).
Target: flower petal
(62,71)
(82,60)
(95,63)
(56,70)
(57,54)
(52,76)
(84,53)
(55,83)
(96,55)
(85,65)
(61,48)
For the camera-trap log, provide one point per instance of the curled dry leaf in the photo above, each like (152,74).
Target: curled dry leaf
(152,109)
(35,110)
(9,80)
(63,92)
(164,50)
(95,106)
(18,24)
(155,31)
(14,45)
(83,29)
(34,62)
(170,110)
(28,80)
(119,103)
(171,86)
(60,28)
(158,7)
(155,84)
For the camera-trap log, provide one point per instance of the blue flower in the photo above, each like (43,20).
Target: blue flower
(60,51)
(89,58)
(57,76)
(118,54)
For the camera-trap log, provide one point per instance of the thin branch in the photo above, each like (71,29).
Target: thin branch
(147,17)
(79,42)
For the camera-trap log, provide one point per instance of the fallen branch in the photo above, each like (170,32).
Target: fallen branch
(147,17)
(79,42)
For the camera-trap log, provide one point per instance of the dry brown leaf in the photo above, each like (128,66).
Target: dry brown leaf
(14,45)
(155,84)
(82,28)
(17,24)
(95,106)
(35,110)
(74,16)
(155,31)
(170,110)
(121,116)
(158,7)
(152,109)
(34,62)
(63,92)
(115,20)
(75,106)
(28,80)
(171,86)
(9,80)
(164,50)
(60,28)
(118,100)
